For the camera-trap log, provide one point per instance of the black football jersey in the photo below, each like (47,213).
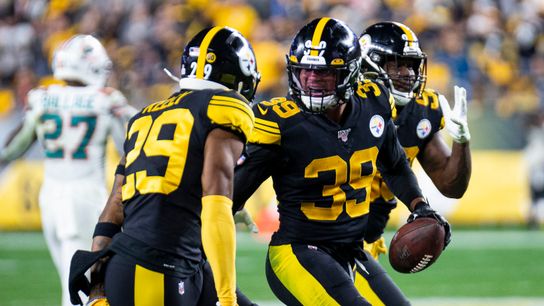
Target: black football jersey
(416,123)
(322,171)
(164,152)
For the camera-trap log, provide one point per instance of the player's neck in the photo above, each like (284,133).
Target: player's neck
(338,113)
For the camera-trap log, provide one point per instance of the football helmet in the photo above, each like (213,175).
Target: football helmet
(392,43)
(82,58)
(324,46)
(224,56)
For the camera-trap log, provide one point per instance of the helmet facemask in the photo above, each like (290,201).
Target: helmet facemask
(322,87)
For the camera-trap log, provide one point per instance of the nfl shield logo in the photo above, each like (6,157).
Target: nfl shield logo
(181,288)
(343,134)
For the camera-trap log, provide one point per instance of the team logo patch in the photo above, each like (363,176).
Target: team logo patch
(181,288)
(377,126)
(423,128)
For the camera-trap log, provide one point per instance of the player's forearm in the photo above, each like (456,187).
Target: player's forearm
(454,179)
(219,243)
(18,143)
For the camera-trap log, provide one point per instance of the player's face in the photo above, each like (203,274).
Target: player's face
(402,74)
(322,81)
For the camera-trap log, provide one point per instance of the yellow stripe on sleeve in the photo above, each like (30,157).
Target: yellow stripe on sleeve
(203,49)
(301,283)
(148,287)
(232,113)
(317,34)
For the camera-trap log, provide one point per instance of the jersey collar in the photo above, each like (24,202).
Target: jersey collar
(198,84)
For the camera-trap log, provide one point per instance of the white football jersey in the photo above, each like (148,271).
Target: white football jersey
(73,124)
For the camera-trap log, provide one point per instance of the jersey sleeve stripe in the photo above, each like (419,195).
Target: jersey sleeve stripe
(267,129)
(217,103)
(267,123)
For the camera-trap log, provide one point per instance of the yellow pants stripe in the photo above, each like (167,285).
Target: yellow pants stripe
(366,291)
(148,287)
(296,278)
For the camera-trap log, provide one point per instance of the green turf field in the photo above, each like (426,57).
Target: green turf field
(479,268)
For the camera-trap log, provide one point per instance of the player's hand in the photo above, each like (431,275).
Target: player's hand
(424,210)
(98,301)
(456,119)
(376,248)
(244,217)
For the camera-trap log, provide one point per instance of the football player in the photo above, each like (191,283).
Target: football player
(392,56)
(72,123)
(173,190)
(322,145)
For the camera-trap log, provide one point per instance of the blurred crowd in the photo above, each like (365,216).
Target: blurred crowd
(493,48)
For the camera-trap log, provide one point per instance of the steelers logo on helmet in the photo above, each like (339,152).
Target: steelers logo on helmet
(377,126)
(423,128)
(323,64)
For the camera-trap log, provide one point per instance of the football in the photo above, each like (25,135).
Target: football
(416,245)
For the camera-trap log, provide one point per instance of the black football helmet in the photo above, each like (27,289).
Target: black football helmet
(324,44)
(387,42)
(222,55)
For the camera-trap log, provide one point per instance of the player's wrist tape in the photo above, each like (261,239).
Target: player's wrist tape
(120,170)
(106,229)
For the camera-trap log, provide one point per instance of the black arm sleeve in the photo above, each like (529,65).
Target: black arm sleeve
(260,160)
(377,220)
(395,169)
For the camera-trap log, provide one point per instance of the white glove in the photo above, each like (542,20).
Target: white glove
(456,119)
(244,217)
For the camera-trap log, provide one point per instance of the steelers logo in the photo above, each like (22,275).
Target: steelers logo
(210,57)
(423,128)
(377,126)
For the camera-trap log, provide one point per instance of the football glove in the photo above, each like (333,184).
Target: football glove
(243,216)
(424,210)
(98,301)
(376,248)
(456,119)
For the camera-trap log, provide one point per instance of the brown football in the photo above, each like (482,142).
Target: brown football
(416,245)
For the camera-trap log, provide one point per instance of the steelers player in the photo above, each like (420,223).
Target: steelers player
(322,145)
(176,183)
(392,56)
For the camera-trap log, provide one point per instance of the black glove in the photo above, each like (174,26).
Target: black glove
(424,210)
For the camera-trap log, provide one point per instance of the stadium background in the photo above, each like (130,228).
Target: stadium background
(493,48)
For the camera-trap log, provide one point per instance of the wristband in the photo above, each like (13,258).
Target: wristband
(106,229)
(120,170)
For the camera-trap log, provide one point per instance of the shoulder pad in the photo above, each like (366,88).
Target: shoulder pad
(368,88)
(229,109)
(268,117)
(429,98)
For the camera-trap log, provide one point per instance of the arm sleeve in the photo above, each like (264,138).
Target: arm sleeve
(395,169)
(260,160)
(219,243)
(378,218)
(22,140)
